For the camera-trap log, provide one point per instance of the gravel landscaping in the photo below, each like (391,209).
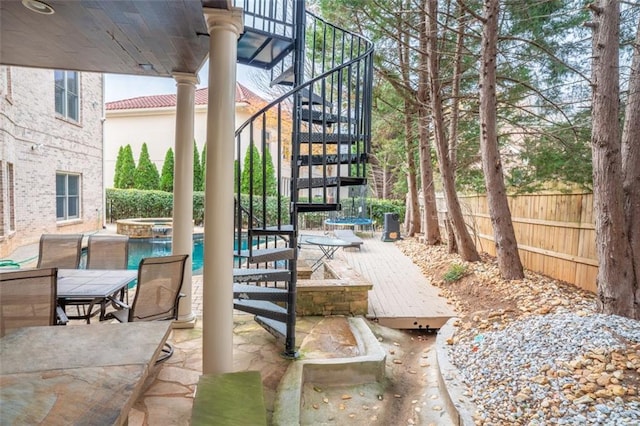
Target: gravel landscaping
(535,351)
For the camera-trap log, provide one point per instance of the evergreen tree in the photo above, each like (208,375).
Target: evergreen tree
(197,169)
(236,174)
(251,158)
(116,176)
(146,175)
(127,169)
(270,173)
(204,166)
(166,179)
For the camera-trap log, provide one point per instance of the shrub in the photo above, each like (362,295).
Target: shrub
(116,176)
(146,175)
(204,166)
(132,203)
(166,179)
(455,273)
(126,170)
(251,159)
(270,173)
(197,169)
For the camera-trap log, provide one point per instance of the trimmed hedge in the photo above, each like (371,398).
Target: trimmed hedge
(133,203)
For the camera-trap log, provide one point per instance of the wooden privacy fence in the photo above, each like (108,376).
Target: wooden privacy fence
(555,233)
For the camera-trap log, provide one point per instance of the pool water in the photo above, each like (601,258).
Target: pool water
(140,248)
(154,247)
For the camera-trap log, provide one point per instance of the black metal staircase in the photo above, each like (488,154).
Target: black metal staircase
(318,135)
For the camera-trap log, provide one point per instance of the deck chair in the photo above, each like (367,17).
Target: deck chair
(157,294)
(60,251)
(103,252)
(28,299)
(107,252)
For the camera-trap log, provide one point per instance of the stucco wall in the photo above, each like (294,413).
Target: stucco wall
(156,127)
(40,143)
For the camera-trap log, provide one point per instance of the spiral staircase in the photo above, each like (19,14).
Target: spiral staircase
(318,134)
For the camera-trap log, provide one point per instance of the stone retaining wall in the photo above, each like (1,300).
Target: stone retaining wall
(145,227)
(346,294)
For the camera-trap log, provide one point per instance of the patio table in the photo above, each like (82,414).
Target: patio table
(328,246)
(77,374)
(99,285)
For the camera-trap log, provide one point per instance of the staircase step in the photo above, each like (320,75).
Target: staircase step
(320,117)
(273,230)
(284,79)
(267,255)
(254,292)
(317,207)
(329,138)
(330,182)
(257,275)
(262,49)
(315,99)
(318,160)
(276,328)
(262,308)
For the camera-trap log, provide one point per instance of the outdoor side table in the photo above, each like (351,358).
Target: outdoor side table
(328,246)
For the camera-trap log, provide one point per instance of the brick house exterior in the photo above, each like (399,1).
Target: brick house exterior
(42,150)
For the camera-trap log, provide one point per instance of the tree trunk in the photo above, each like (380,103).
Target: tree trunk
(505,238)
(615,273)
(412,216)
(455,91)
(631,166)
(430,215)
(464,242)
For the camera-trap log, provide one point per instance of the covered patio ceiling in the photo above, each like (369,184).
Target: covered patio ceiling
(140,37)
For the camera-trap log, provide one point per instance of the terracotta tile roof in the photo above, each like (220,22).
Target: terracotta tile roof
(243,95)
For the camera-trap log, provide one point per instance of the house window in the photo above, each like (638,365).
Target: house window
(2,180)
(68,94)
(67,196)
(11,197)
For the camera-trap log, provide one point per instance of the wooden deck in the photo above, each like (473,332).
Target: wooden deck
(402,296)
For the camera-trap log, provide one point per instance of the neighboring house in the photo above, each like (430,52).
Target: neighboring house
(50,154)
(152,119)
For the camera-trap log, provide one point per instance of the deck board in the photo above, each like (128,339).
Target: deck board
(402,297)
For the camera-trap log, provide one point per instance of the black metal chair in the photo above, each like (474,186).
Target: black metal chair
(28,298)
(157,294)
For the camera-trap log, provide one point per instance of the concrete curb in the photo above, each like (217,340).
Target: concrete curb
(363,369)
(459,406)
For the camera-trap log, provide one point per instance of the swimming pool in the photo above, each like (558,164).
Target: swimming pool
(154,247)
(140,248)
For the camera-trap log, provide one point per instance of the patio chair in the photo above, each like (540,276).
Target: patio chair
(28,298)
(60,251)
(107,252)
(103,252)
(157,294)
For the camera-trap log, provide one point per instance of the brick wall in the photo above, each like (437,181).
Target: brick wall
(39,143)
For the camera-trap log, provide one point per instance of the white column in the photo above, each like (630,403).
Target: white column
(217,318)
(182,234)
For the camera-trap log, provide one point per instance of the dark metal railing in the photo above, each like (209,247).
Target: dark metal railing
(316,135)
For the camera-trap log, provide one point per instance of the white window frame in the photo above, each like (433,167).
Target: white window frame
(11,188)
(66,198)
(66,94)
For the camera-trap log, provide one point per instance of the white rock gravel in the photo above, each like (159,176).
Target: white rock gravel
(560,368)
